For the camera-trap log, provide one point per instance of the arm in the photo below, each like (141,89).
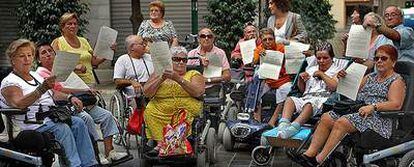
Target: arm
(300,34)
(303,77)
(152,85)
(14,97)
(95,61)
(389,33)
(331,83)
(122,83)
(195,87)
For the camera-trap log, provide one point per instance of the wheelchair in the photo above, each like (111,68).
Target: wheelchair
(261,155)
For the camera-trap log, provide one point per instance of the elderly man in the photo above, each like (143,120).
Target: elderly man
(134,68)
(402,36)
(249,32)
(206,40)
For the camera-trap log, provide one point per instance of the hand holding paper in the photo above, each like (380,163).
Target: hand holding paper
(271,64)
(161,57)
(214,68)
(294,56)
(358,42)
(104,43)
(247,50)
(349,85)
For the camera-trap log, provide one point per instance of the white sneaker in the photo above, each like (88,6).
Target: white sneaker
(115,156)
(103,160)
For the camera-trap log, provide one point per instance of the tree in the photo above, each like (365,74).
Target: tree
(319,23)
(39,19)
(227,19)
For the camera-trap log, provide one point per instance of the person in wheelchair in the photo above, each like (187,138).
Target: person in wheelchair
(383,90)
(249,32)
(281,86)
(206,40)
(91,114)
(170,92)
(23,89)
(316,83)
(133,69)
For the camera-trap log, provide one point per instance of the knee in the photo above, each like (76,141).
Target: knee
(78,122)
(342,124)
(326,119)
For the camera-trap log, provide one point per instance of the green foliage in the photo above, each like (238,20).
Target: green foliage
(39,19)
(227,19)
(319,23)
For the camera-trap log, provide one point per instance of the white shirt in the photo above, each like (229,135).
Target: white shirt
(46,99)
(313,84)
(125,70)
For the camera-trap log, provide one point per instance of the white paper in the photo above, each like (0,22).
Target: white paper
(349,85)
(74,82)
(270,65)
(106,37)
(64,64)
(294,56)
(247,50)
(161,57)
(214,68)
(358,42)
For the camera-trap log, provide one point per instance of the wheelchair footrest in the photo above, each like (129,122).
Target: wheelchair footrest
(122,160)
(293,142)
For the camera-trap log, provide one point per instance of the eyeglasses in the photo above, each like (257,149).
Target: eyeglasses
(382,58)
(179,60)
(393,15)
(324,58)
(268,39)
(206,36)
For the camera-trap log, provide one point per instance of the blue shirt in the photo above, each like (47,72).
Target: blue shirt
(406,44)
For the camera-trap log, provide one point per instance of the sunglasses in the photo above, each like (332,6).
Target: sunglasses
(179,59)
(383,58)
(208,36)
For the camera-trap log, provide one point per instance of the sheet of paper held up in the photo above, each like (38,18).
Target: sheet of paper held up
(214,68)
(161,57)
(271,64)
(64,64)
(349,85)
(294,56)
(247,50)
(358,42)
(106,37)
(74,82)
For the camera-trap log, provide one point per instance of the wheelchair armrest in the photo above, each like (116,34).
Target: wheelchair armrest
(13,111)
(392,114)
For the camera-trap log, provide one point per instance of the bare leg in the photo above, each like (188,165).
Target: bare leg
(258,114)
(341,127)
(306,113)
(288,108)
(108,145)
(275,115)
(321,134)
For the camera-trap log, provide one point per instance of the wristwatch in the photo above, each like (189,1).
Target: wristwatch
(377,25)
(375,106)
(208,79)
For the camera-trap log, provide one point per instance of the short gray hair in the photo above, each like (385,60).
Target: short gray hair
(130,39)
(15,45)
(175,50)
(376,16)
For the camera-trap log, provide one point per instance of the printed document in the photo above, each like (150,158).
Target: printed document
(294,56)
(107,37)
(349,85)
(64,64)
(358,42)
(271,64)
(214,68)
(247,50)
(161,57)
(75,82)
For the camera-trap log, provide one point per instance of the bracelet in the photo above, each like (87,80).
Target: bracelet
(182,81)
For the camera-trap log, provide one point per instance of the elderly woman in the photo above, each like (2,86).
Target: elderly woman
(287,25)
(383,90)
(281,86)
(91,114)
(157,28)
(25,89)
(357,18)
(316,83)
(70,42)
(249,32)
(173,90)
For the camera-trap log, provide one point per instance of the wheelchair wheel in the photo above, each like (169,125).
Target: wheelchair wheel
(116,106)
(261,155)
(220,132)
(211,142)
(228,142)
(407,160)
(100,100)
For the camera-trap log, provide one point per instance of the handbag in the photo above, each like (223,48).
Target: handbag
(347,106)
(135,121)
(87,98)
(60,114)
(175,140)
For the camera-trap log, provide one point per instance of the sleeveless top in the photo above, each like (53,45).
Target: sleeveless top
(374,91)
(85,52)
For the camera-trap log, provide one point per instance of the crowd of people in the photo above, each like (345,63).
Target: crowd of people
(382,88)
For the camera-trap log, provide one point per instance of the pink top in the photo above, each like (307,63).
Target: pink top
(217,51)
(236,53)
(44,73)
